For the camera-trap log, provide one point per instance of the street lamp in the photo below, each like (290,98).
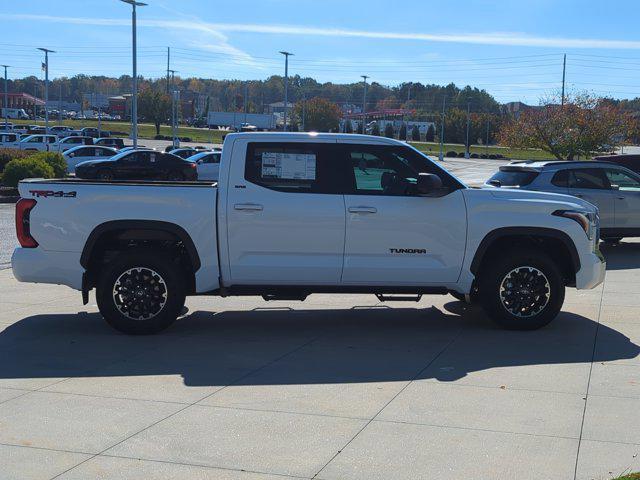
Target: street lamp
(286,85)
(174,114)
(134,97)
(364,101)
(6,97)
(46,87)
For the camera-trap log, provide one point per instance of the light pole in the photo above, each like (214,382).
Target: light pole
(286,86)
(134,97)
(174,115)
(6,97)
(364,101)
(46,87)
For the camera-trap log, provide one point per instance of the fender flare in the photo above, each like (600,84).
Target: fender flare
(499,233)
(153,225)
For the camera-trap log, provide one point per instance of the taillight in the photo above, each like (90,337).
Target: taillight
(23,222)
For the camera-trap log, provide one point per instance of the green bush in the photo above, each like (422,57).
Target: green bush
(8,154)
(55,161)
(21,168)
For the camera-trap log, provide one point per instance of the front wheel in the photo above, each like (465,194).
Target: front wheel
(140,293)
(521,290)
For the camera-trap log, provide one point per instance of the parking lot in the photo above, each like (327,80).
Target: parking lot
(337,387)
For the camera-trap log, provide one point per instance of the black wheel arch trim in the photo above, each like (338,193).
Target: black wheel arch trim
(154,225)
(499,233)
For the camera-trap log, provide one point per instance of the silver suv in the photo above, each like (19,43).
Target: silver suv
(615,190)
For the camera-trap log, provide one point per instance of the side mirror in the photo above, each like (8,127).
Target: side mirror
(71,155)
(430,185)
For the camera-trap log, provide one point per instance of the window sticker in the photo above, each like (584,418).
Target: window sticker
(294,166)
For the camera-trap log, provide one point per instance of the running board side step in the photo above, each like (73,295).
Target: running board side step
(398,298)
(292,297)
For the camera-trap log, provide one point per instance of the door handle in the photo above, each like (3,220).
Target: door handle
(248,206)
(362,210)
(621,197)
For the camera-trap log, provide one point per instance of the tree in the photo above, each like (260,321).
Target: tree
(348,126)
(320,115)
(388,130)
(375,129)
(154,106)
(403,132)
(582,126)
(415,133)
(431,133)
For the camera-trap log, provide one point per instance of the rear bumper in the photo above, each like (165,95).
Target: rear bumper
(592,271)
(40,266)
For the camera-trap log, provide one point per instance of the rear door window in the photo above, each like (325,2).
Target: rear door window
(292,167)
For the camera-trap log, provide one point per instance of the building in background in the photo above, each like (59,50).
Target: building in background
(25,101)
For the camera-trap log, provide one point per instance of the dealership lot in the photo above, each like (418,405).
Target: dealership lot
(335,387)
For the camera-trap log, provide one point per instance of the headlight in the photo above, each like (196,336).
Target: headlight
(589,221)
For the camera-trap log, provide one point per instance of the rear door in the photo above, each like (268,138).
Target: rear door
(394,236)
(209,166)
(285,215)
(592,185)
(626,188)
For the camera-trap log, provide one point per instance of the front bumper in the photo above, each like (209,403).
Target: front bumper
(592,271)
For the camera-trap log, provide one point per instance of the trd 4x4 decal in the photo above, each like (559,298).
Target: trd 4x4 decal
(52,193)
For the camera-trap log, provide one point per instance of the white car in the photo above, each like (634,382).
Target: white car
(60,131)
(82,153)
(66,143)
(295,214)
(9,140)
(208,165)
(40,143)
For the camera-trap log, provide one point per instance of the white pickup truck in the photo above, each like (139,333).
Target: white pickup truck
(300,213)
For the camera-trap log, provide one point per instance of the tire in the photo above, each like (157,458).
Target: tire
(522,308)
(104,175)
(157,282)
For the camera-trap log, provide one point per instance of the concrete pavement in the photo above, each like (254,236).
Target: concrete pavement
(337,387)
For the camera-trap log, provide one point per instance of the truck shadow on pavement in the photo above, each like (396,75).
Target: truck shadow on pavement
(285,346)
(624,256)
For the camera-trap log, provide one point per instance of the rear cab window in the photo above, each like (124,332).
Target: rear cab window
(513,177)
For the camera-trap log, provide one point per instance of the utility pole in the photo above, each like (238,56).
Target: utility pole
(564,70)
(364,101)
(46,87)
(168,57)
(174,113)
(134,95)
(246,96)
(441,156)
(286,85)
(468,146)
(6,96)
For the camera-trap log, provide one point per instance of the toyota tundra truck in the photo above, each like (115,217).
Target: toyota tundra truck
(295,214)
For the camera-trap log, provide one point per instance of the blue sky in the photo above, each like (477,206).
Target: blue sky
(513,49)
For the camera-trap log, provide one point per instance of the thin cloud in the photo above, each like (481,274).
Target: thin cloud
(490,38)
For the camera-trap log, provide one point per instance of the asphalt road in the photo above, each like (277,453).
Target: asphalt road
(7,233)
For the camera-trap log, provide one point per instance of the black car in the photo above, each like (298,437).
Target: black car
(139,165)
(630,161)
(94,132)
(184,152)
(113,142)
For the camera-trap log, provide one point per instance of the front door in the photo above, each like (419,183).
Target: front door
(394,236)
(626,187)
(285,216)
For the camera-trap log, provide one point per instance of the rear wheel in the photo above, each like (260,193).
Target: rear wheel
(104,175)
(140,293)
(521,290)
